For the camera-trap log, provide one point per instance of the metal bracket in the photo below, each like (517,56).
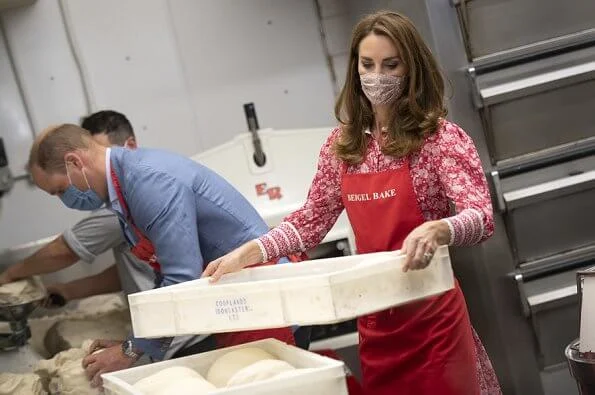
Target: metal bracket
(523,295)
(475,92)
(499,196)
(463,16)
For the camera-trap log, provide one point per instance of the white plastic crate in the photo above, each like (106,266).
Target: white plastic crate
(313,292)
(321,375)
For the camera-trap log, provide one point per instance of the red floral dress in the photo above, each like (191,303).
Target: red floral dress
(447,168)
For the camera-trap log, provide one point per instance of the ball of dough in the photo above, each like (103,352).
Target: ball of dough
(258,371)
(190,385)
(230,363)
(151,385)
(71,379)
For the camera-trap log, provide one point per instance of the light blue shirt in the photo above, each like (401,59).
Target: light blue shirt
(191,215)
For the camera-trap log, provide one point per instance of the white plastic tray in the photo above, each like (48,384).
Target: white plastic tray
(306,293)
(325,376)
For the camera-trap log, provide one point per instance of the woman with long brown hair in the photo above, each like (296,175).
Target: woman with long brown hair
(395,164)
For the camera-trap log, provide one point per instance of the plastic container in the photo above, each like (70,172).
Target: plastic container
(313,292)
(321,375)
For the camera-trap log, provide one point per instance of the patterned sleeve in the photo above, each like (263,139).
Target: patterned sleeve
(306,227)
(462,176)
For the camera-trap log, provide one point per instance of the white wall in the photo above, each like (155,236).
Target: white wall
(264,51)
(180,69)
(340,16)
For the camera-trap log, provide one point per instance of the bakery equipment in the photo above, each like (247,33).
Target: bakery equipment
(16,316)
(580,353)
(6,180)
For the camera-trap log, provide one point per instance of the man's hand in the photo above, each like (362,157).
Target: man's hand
(105,356)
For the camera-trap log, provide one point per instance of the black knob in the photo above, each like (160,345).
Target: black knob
(3,157)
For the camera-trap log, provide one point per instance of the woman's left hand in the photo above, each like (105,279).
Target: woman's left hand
(421,244)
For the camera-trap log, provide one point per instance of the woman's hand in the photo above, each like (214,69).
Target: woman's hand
(246,255)
(421,244)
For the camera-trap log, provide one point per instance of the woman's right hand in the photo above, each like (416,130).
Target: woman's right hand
(247,255)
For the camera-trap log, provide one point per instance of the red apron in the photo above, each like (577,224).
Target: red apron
(421,348)
(145,251)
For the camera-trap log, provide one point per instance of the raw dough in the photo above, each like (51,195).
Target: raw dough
(70,333)
(89,308)
(21,384)
(22,291)
(229,364)
(258,371)
(191,385)
(66,374)
(151,385)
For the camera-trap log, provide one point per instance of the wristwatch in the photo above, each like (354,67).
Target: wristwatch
(128,349)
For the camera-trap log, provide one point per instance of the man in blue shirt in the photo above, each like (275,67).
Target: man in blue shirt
(94,235)
(177,215)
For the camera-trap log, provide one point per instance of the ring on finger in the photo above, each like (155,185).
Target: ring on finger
(428,256)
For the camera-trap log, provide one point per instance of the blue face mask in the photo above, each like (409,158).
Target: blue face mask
(80,200)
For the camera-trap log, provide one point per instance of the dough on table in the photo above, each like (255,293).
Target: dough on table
(71,332)
(89,308)
(230,363)
(164,380)
(22,291)
(65,372)
(258,371)
(21,384)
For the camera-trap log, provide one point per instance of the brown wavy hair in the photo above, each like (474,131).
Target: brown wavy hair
(414,116)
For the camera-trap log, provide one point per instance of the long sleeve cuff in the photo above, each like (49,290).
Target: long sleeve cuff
(466,228)
(154,348)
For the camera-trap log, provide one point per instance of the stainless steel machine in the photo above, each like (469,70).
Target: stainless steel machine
(522,77)
(16,354)
(16,316)
(6,180)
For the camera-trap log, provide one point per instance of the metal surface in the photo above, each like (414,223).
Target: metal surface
(497,190)
(526,107)
(553,300)
(535,50)
(532,129)
(526,23)
(553,225)
(547,157)
(581,368)
(566,260)
(549,190)
(16,316)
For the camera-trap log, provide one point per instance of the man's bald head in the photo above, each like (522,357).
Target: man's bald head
(53,144)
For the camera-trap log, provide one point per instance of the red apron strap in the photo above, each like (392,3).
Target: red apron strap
(143,249)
